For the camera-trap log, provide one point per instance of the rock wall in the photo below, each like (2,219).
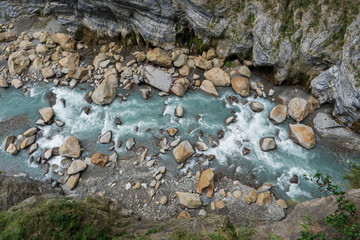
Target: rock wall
(301,40)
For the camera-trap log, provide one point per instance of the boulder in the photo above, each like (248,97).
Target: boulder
(184,215)
(99,59)
(180,86)
(206,182)
(179,111)
(47,72)
(79,73)
(47,114)
(203,63)
(209,88)
(26,45)
(312,104)
(297,109)
(17,83)
(65,41)
(302,135)
(7,141)
(12,149)
(145,93)
(241,86)
(180,60)
(218,77)
(72,181)
(278,114)
(219,204)
(18,62)
(3,82)
(7,36)
(172,131)
(76,166)
(100,159)
(252,195)
(281,203)
(263,198)
(245,71)
(47,154)
(184,70)
(237,194)
(37,64)
(267,144)
(41,49)
(106,137)
(256,106)
(105,93)
(189,200)
(201,146)
(157,78)
(30,132)
(130,143)
(159,57)
(70,148)
(183,151)
(28,141)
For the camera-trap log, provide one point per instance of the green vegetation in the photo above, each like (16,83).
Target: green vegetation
(354,175)
(250,19)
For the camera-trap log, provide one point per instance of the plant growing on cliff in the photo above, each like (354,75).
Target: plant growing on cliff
(354,175)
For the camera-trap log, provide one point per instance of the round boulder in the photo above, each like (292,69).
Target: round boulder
(218,77)
(278,114)
(267,144)
(302,135)
(241,86)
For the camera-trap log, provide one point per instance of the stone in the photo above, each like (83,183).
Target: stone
(99,59)
(184,215)
(157,78)
(252,195)
(7,141)
(256,106)
(184,70)
(106,137)
(72,181)
(263,198)
(175,142)
(202,213)
(220,204)
(3,82)
(12,149)
(100,159)
(47,154)
(137,185)
(218,77)
(267,144)
(203,63)
(17,83)
(60,123)
(206,182)
(70,148)
(189,200)
(33,148)
(278,114)
(209,88)
(130,143)
(7,36)
(47,72)
(145,93)
(245,71)
(246,151)
(302,135)
(65,41)
(312,104)
(265,187)
(180,60)
(294,179)
(26,45)
(47,114)
(201,146)
(79,73)
(183,151)
(281,203)
(241,86)
(105,63)
(76,166)
(30,132)
(237,194)
(179,111)
(229,120)
(172,131)
(41,49)
(105,93)
(18,62)
(28,141)
(211,54)
(159,57)
(163,200)
(180,86)
(113,157)
(297,109)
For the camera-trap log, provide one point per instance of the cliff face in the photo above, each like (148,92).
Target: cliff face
(312,42)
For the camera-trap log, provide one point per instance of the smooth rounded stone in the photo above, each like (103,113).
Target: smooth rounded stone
(278,114)
(219,204)
(47,72)
(55,151)
(106,137)
(159,57)
(241,86)
(18,62)
(163,94)
(105,63)
(206,182)
(179,111)
(60,123)
(76,166)
(12,149)
(172,132)
(256,106)
(99,59)
(16,83)
(40,122)
(127,186)
(184,215)
(209,88)
(28,141)
(100,159)
(73,83)
(267,144)
(189,200)
(259,92)
(237,194)
(245,71)
(230,120)
(47,154)
(201,146)
(263,198)
(180,86)
(30,132)
(183,151)
(113,157)
(130,143)
(218,77)
(281,203)
(181,60)
(246,151)
(297,109)
(47,114)
(184,70)
(150,163)
(105,93)
(65,41)
(175,142)
(33,148)
(294,179)
(163,200)
(302,135)
(63,179)
(70,148)
(271,92)
(202,213)
(7,141)
(72,181)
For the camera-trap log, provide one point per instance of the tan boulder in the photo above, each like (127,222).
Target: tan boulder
(37,64)
(65,41)
(203,63)
(180,86)
(172,131)
(241,86)
(70,148)
(220,204)
(105,93)
(12,149)
(100,159)
(278,114)
(312,104)
(252,195)
(47,113)
(183,151)
(189,200)
(218,77)
(7,36)
(47,72)
(72,181)
(99,59)
(263,198)
(206,182)
(18,62)
(184,70)
(245,71)
(3,82)
(159,57)
(302,135)
(237,194)
(281,203)
(184,215)
(28,141)
(267,144)
(297,109)
(209,88)
(16,83)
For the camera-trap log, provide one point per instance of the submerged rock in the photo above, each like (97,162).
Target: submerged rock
(302,135)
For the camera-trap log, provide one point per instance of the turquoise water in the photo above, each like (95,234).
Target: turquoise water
(202,113)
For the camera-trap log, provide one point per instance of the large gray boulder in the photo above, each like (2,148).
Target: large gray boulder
(18,62)
(157,78)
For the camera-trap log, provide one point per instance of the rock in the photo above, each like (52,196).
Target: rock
(12,149)
(201,146)
(263,198)
(33,148)
(100,159)
(209,88)
(256,106)
(130,143)
(72,181)
(218,77)
(7,36)
(180,60)
(241,86)
(294,179)
(30,132)
(184,215)
(137,185)
(302,135)
(17,83)
(253,85)
(145,93)
(65,41)
(184,70)
(265,187)
(206,182)
(47,114)
(157,78)
(41,49)
(105,93)
(220,204)
(26,45)
(189,200)
(7,141)
(18,62)
(163,200)
(312,104)
(47,72)
(3,83)
(202,213)
(70,148)
(47,154)
(281,203)
(246,151)
(76,166)
(203,63)
(118,121)
(79,73)
(179,111)
(105,63)
(175,142)
(237,194)
(220,134)
(211,54)
(271,92)
(106,137)
(183,151)
(252,195)
(28,141)
(113,157)
(267,144)
(159,57)
(60,123)
(172,131)
(229,120)
(99,59)
(180,86)
(297,109)
(278,114)
(245,71)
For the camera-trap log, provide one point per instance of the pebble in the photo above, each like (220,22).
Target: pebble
(163,200)
(128,186)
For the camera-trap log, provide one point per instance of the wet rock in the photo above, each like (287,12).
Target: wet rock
(189,200)
(241,86)
(209,88)
(159,57)
(246,151)
(206,182)
(232,99)
(175,142)
(113,157)
(16,83)
(18,62)
(100,159)
(118,121)
(294,179)
(267,144)
(86,110)
(130,143)
(220,134)
(218,77)
(28,141)
(47,114)
(278,114)
(302,135)
(183,151)
(180,86)
(76,166)
(59,123)
(157,78)
(230,120)
(30,132)
(65,41)
(265,187)
(70,148)
(179,111)
(201,146)
(47,154)
(33,148)
(256,106)
(172,131)
(297,109)
(106,137)
(7,141)
(12,149)
(72,181)
(105,93)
